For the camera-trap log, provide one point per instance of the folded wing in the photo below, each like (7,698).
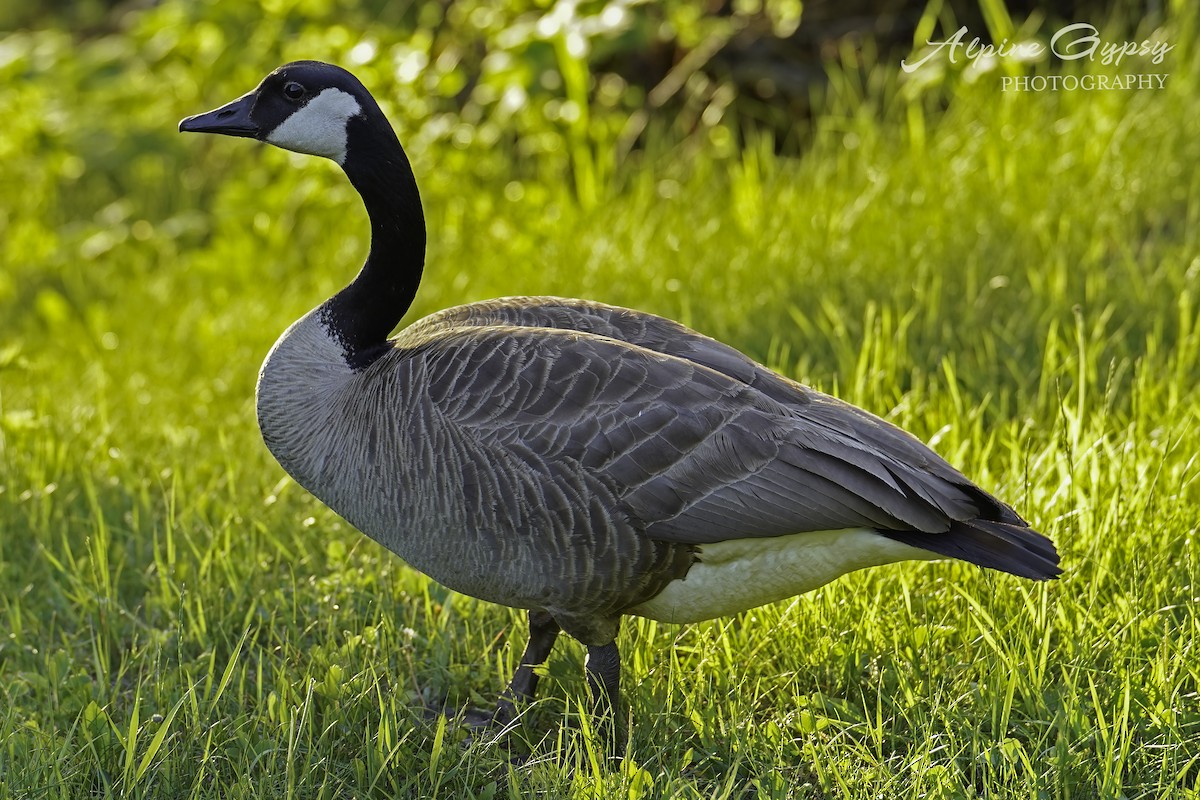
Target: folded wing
(698,442)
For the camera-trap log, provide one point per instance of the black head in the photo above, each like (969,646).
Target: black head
(305,106)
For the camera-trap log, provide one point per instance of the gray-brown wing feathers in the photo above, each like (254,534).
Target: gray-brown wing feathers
(694,454)
(645,330)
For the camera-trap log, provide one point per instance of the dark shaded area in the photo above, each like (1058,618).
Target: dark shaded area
(767,59)
(776,76)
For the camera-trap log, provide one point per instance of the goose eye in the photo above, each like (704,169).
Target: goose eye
(293,90)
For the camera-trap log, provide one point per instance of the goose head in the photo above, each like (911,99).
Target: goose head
(321,109)
(305,106)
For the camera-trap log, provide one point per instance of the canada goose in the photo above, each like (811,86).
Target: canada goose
(574,459)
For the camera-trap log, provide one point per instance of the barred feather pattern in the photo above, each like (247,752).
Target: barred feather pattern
(577,458)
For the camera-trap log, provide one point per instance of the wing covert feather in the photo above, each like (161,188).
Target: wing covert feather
(696,449)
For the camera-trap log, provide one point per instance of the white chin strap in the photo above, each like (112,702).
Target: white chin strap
(319,127)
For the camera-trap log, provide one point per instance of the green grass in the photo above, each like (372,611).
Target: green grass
(1014,279)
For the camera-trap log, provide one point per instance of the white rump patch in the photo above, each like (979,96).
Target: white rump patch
(319,127)
(739,574)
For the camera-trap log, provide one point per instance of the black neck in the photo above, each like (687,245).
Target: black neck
(363,314)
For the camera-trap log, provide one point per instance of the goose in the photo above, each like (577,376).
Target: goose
(577,460)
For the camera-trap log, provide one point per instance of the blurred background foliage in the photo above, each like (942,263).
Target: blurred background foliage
(567,98)
(552,88)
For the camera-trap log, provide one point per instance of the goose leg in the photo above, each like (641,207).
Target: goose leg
(543,630)
(604,682)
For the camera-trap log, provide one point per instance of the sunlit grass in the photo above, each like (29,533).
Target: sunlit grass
(1017,284)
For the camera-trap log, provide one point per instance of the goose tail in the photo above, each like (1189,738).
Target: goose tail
(1013,548)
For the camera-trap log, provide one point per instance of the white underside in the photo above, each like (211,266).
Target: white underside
(736,575)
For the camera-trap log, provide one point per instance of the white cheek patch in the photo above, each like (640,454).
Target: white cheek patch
(319,128)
